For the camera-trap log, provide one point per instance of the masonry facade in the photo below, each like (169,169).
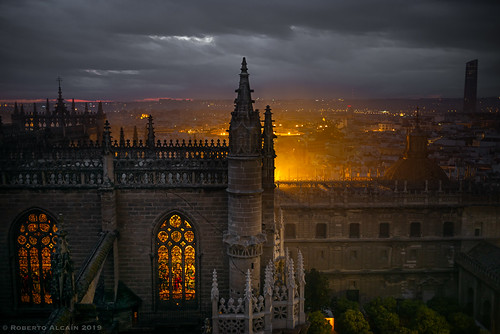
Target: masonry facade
(158,230)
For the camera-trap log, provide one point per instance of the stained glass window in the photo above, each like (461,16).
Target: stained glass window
(176,262)
(35,240)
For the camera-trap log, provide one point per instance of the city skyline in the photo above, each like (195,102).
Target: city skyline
(130,51)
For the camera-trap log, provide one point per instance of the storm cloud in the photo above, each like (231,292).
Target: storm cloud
(133,49)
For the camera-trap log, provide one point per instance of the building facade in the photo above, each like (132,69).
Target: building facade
(410,234)
(120,233)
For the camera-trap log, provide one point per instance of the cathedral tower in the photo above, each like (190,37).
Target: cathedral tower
(244,238)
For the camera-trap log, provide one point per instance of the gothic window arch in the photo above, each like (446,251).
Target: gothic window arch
(34,239)
(176,267)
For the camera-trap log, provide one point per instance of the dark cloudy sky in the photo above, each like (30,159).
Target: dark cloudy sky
(136,49)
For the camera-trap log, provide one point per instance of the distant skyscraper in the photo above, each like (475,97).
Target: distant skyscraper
(470,90)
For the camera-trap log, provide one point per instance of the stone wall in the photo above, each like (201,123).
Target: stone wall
(136,213)
(81,212)
(400,264)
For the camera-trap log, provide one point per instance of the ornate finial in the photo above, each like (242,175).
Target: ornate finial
(59,80)
(106,138)
(268,133)
(122,137)
(269,279)
(16,110)
(60,107)
(73,108)
(215,286)
(248,286)
(291,274)
(151,133)
(244,68)
(47,107)
(300,268)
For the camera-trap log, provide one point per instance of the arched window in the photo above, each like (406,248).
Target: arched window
(35,242)
(176,263)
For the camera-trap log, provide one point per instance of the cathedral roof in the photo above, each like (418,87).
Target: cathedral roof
(415,166)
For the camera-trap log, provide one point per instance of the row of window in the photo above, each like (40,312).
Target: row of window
(35,240)
(384,230)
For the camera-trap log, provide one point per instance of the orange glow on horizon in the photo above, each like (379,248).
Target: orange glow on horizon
(42,101)
(157,99)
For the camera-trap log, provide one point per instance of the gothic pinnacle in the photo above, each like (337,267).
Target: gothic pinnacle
(244,103)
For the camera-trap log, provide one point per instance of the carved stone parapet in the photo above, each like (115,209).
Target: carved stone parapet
(244,247)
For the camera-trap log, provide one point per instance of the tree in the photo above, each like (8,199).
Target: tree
(444,306)
(428,321)
(352,322)
(318,324)
(462,323)
(343,304)
(382,321)
(407,310)
(316,292)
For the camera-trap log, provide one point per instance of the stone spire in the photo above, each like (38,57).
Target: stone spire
(244,130)
(151,133)
(100,121)
(106,138)
(60,106)
(35,118)
(268,133)
(268,156)
(122,137)
(47,107)
(73,108)
(244,103)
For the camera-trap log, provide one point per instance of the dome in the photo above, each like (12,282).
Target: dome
(415,166)
(415,169)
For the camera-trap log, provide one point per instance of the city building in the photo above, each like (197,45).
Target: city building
(470,89)
(410,234)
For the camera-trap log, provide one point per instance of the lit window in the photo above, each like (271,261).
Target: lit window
(35,238)
(176,262)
